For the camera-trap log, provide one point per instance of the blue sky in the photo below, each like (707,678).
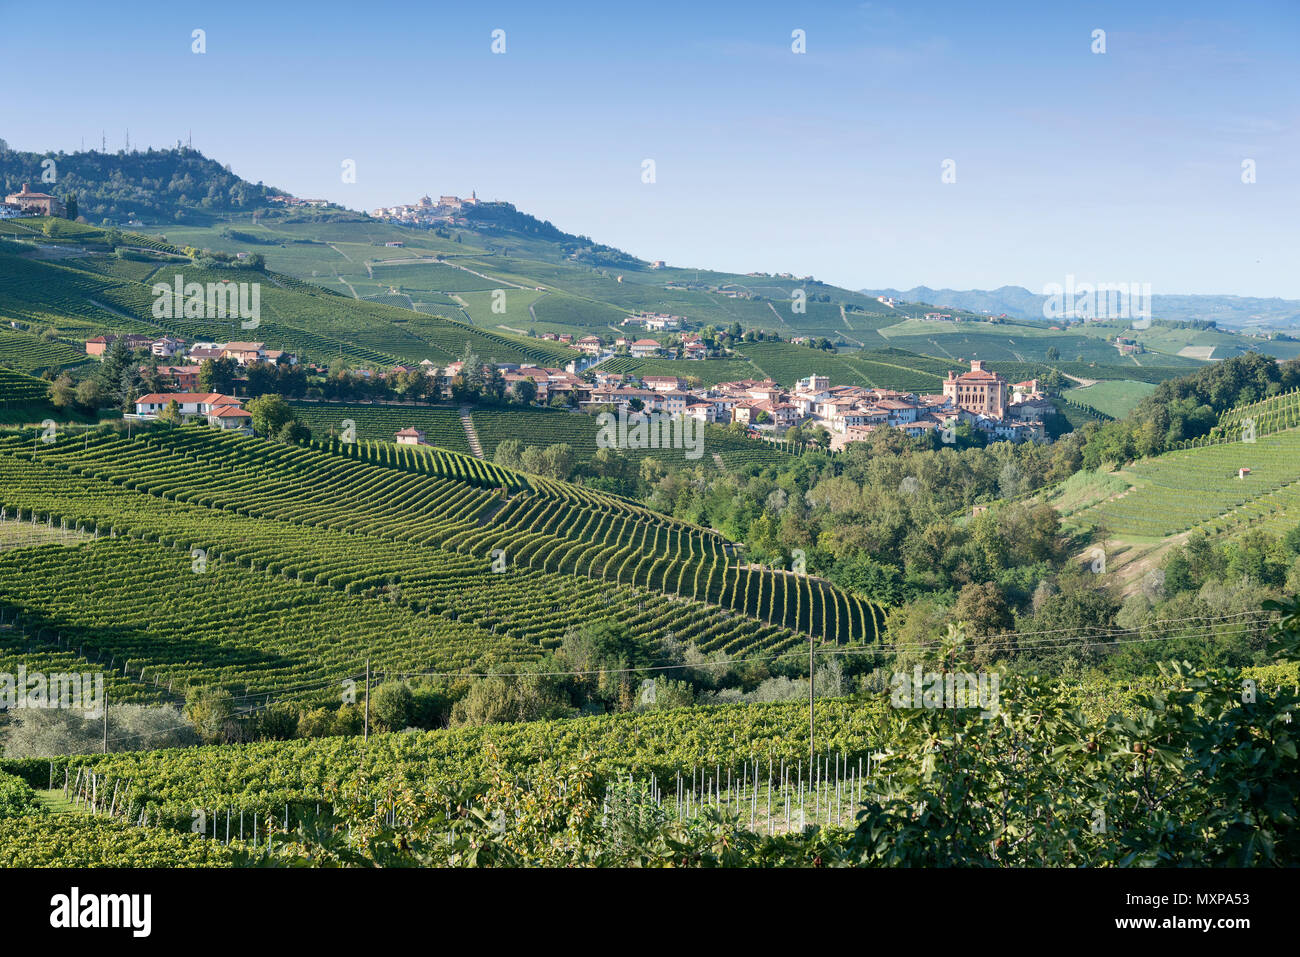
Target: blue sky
(1122,166)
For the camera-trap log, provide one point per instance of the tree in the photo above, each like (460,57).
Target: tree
(987,616)
(171,414)
(62,393)
(391,705)
(211,711)
(525,391)
(217,375)
(494,385)
(558,461)
(509,454)
(294,432)
(91,393)
(270,414)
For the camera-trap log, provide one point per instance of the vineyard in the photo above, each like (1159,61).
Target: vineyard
(1200,487)
(266,778)
(1259,418)
(716,753)
(708,372)
(884,368)
(296,316)
(312,556)
(30,353)
(17,389)
(380,423)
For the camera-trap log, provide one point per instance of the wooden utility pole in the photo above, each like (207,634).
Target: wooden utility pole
(366,735)
(812,720)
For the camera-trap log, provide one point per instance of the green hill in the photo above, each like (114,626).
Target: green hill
(170,185)
(387,549)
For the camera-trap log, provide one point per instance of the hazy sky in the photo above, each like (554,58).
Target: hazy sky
(1122,166)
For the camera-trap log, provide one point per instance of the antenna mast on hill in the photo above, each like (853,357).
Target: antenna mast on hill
(103,142)
(128,141)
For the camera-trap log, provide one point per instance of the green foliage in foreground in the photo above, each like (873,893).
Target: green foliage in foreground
(77,840)
(1198,777)
(1203,772)
(16,797)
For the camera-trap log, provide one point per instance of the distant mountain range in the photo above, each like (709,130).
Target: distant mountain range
(1230,312)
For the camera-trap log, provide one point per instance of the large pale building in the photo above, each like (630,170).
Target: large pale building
(41,203)
(978,390)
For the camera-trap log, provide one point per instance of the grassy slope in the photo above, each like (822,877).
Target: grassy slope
(1115,398)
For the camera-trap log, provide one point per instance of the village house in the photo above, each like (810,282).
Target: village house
(230,416)
(658,321)
(663,383)
(223,411)
(410,436)
(166,347)
(202,352)
(644,348)
(100,344)
(245,353)
(899,411)
(591,345)
(184,378)
(1032,409)
(35,204)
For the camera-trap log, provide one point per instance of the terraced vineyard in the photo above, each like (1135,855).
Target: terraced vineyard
(1199,487)
(428,560)
(1265,417)
(30,353)
(380,423)
(19,389)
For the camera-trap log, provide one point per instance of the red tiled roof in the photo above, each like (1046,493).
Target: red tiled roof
(182,398)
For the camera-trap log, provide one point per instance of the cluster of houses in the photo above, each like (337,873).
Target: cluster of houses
(184,375)
(166,347)
(426,211)
(979,397)
(689,346)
